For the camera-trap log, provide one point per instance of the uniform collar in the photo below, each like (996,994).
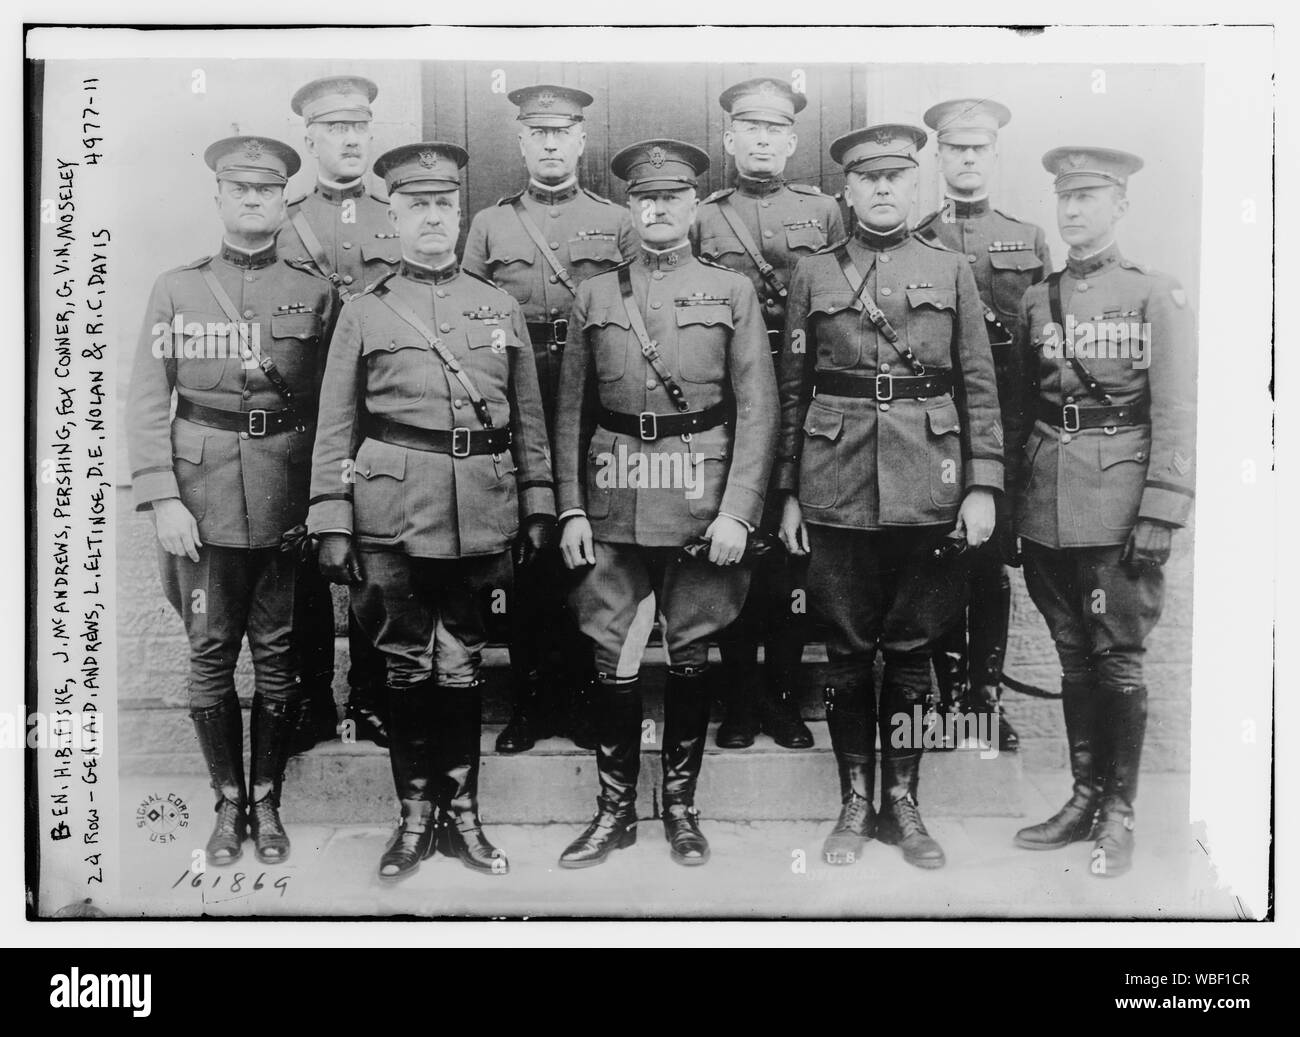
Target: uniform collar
(429,275)
(655,259)
(757,187)
(1086,266)
(241,257)
(880,242)
(553,195)
(336,194)
(968,208)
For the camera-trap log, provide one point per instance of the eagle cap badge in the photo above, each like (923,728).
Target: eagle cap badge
(658,156)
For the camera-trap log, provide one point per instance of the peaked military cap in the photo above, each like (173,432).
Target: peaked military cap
(545,105)
(335,99)
(661,164)
(883,146)
(765,99)
(968,120)
(252,160)
(431,165)
(1079,167)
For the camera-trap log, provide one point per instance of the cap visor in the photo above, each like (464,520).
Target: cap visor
(764,115)
(868,165)
(424,187)
(645,186)
(342,115)
(964,138)
(549,120)
(252,176)
(1078,181)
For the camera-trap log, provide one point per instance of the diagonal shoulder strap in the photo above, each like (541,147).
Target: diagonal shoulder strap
(263,361)
(648,348)
(449,361)
(1084,375)
(747,242)
(530,228)
(315,249)
(859,283)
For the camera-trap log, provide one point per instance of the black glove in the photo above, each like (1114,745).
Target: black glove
(758,545)
(1147,545)
(533,539)
(299,543)
(337,560)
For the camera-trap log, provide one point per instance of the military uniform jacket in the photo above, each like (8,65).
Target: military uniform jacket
(358,242)
(709,331)
(859,464)
(786,221)
(243,490)
(585,232)
(1088,488)
(429,505)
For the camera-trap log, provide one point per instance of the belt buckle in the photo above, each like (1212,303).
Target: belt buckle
(649,425)
(887,394)
(460,435)
(1066,411)
(257,423)
(560,330)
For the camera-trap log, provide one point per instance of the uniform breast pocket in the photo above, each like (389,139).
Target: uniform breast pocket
(930,316)
(187,462)
(943,438)
(398,366)
(722,249)
(819,477)
(380,255)
(599,252)
(836,319)
(608,330)
(510,265)
(805,237)
(298,350)
(379,499)
(204,349)
(489,363)
(702,336)
(704,475)
(1011,275)
(1123,459)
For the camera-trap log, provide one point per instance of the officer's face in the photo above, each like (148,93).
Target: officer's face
(551,153)
(966,166)
(250,211)
(663,218)
(427,224)
(342,149)
(881,197)
(1087,217)
(760,149)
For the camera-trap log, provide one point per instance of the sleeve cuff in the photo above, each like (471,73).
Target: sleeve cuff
(984,473)
(1166,505)
(331,516)
(785,475)
(537,500)
(748,525)
(569,497)
(151,486)
(743,504)
(571,513)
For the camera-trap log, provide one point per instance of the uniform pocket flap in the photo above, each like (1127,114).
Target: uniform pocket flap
(390,462)
(509,251)
(938,298)
(499,336)
(595,250)
(598,318)
(720,245)
(1117,449)
(823,421)
(1021,261)
(807,236)
(943,420)
(707,315)
(295,325)
(833,302)
(187,443)
(387,344)
(387,251)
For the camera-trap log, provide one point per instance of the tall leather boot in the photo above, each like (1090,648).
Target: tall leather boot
(951,664)
(990,616)
(220,730)
(527,715)
(686,725)
(272,730)
(411,721)
(618,762)
(581,707)
(778,708)
(1125,721)
(853,737)
(456,761)
(737,680)
(1074,821)
(367,711)
(316,718)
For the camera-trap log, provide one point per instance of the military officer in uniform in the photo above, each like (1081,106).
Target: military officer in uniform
(888,437)
(1007,255)
(539,244)
(666,425)
(341,232)
(1107,476)
(760,227)
(431,455)
(239,340)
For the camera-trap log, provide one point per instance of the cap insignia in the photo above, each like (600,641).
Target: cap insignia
(253,149)
(658,156)
(428,158)
(546,99)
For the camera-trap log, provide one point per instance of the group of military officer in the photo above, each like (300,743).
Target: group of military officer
(881,416)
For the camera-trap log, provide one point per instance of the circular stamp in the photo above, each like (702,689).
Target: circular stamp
(161,817)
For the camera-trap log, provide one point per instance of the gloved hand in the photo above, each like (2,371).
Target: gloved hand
(535,537)
(338,560)
(1147,546)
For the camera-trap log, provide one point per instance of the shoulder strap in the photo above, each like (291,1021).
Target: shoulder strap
(315,249)
(449,361)
(648,349)
(859,283)
(751,248)
(263,361)
(530,228)
(1084,375)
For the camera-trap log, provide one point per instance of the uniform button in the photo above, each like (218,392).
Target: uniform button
(554,213)
(1141,455)
(444,327)
(970,259)
(658,275)
(347,278)
(554,279)
(886,291)
(884,406)
(248,277)
(767,233)
(650,383)
(655,305)
(766,205)
(248,314)
(1066,437)
(347,244)
(555,246)
(248,394)
(243,435)
(442,293)
(1083,286)
(458,403)
(1069,399)
(554,348)
(884,369)
(555,311)
(883,257)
